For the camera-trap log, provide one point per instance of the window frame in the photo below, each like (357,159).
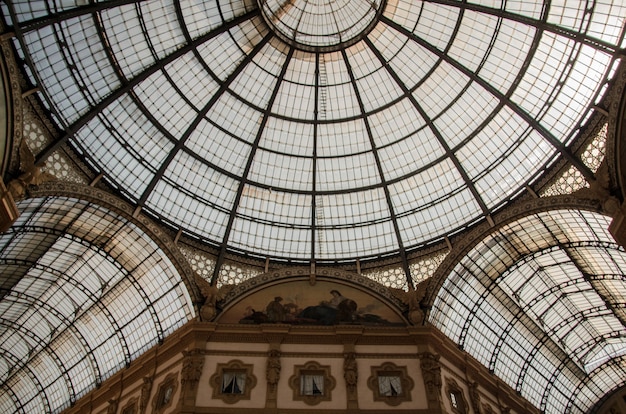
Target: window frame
(389,369)
(235,366)
(453,389)
(312,368)
(170,382)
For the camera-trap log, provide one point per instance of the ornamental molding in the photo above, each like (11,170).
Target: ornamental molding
(14,99)
(312,368)
(390,369)
(305,273)
(612,104)
(166,392)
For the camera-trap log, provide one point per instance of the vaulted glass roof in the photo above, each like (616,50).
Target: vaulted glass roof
(310,130)
(83,293)
(541,303)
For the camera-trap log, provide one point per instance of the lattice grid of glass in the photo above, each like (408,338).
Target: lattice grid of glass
(540,303)
(313,130)
(84,293)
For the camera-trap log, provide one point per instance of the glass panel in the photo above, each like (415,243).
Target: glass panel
(168,96)
(92,295)
(532,303)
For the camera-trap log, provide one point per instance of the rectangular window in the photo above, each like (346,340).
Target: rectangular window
(389,385)
(312,384)
(166,396)
(233,382)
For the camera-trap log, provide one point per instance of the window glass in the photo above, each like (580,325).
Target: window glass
(233,382)
(389,385)
(312,384)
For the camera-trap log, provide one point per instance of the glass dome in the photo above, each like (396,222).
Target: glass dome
(319,131)
(321,24)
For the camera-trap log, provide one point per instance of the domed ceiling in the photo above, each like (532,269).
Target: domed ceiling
(319,130)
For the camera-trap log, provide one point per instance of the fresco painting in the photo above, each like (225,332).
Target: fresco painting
(299,303)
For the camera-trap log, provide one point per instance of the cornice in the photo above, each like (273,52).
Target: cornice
(305,273)
(194,336)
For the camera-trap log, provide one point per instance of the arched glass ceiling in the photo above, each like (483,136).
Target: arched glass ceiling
(541,303)
(417,126)
(83,293)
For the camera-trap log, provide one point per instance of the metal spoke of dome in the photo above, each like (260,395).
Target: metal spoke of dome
(449,153)
(468,321)
(28,299)
(35,252)
(33,264)
(556,288)
(63,324)
(337,27)
(588,313)
(552,382)
(128,86)
(316,115)
(599,289)
(565,361)
(198,118)
(381,174)
(104,40)
(246,171)
(540,24)
(523,257)
(542,311)
(545,133)
(21,364)
(189,39)
(606,309)
(16,400)
(79,11)
(89,290)
(19,330)
(587,348)
(519,316)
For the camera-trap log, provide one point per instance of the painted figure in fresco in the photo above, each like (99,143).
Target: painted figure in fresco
(275,310)
(252,316)
(339,309)
(336,300)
